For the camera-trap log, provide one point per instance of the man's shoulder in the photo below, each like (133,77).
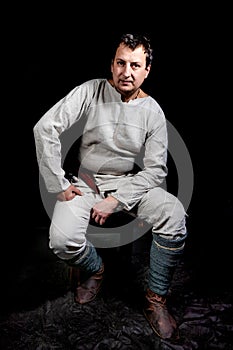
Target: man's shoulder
(152,104)
(95,82)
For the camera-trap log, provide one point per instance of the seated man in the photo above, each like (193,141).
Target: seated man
(118,120)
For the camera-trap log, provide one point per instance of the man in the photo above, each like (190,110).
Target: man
(119,120)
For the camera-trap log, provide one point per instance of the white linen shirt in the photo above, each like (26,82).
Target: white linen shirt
(114,135)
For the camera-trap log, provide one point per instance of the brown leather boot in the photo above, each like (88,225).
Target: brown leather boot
(156,313)
(88,290)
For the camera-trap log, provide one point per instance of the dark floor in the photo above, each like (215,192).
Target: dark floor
(38,311)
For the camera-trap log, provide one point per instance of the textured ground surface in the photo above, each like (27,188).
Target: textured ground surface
(38,311)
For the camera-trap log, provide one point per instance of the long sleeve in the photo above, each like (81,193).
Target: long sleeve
(47,132)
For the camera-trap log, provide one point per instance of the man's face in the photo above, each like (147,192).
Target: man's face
(129,69)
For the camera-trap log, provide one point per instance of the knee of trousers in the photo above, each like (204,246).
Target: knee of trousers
(172,220)
(66,245)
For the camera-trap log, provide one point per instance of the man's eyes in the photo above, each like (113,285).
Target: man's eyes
(133,65)
(120,63)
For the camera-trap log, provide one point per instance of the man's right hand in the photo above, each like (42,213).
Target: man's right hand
(69,194)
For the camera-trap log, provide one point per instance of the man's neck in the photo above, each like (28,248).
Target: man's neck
(126,98)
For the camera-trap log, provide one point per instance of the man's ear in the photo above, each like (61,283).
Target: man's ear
(147,70)
(112,65)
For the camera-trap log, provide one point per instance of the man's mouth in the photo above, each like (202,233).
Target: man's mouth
(125,82)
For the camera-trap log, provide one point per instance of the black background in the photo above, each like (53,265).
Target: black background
(46,51)
(50,51)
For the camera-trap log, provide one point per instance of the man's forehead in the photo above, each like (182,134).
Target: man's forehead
(126,53)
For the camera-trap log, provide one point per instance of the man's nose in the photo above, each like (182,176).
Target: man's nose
(127,70)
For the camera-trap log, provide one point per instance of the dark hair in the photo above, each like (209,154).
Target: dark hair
(133,41)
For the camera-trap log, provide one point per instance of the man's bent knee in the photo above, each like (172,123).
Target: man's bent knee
(66,246)
(172,221)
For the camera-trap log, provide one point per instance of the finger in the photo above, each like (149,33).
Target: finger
(97,219)
(78,192)
(102,221)
(96,213)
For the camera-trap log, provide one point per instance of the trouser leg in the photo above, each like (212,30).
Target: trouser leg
(68,241)
(67,237)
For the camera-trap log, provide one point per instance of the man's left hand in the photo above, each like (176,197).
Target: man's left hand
(103,209)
